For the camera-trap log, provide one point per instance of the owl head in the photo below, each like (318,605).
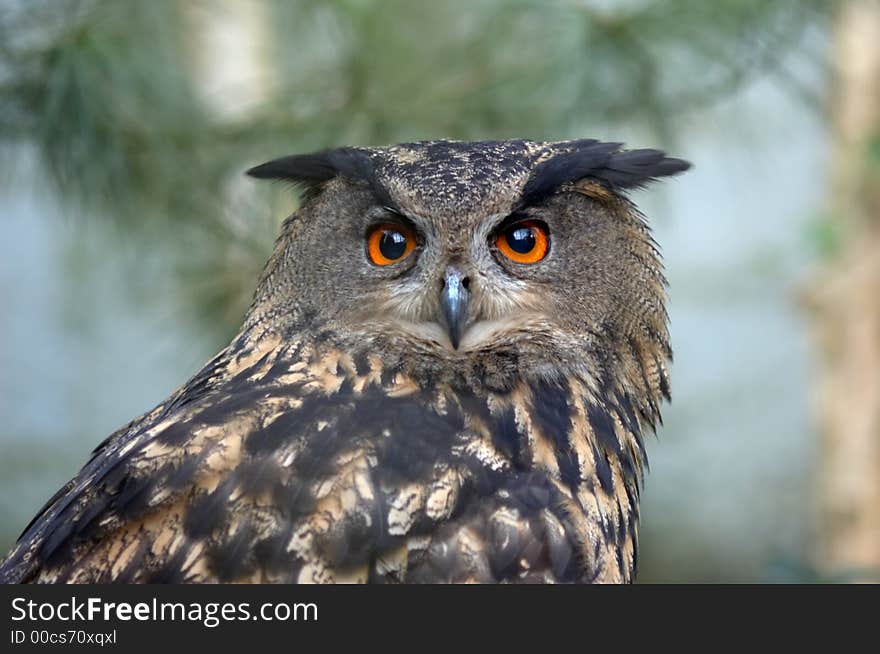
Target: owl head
(473,263)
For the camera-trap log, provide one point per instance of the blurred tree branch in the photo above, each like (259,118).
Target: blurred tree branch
(845,303)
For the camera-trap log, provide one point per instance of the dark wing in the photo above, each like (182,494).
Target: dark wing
(283,464)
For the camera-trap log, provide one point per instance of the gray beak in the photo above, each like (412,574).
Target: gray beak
(454,301)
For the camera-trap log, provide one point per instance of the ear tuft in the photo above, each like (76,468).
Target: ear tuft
(299,168)
(605,163)
(313,170)
(635,168)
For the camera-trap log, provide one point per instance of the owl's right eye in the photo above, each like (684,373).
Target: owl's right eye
(387,244)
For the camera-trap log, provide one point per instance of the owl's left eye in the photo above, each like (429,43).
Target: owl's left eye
(387,244)
(524,242)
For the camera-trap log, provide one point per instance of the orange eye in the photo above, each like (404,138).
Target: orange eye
(387,244)
(524,242)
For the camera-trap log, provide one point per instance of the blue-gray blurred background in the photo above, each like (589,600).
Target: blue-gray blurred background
(130,242)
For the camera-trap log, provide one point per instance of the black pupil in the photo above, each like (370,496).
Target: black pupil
(521,239)
(392,245)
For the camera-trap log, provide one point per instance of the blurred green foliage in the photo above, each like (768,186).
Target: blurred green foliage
(107,93)
(825,235)
(872,177)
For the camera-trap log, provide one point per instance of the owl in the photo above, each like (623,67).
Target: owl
(447,374)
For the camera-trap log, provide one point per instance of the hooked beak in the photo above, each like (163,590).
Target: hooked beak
(454,299)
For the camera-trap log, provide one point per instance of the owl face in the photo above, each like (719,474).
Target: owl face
(458,250)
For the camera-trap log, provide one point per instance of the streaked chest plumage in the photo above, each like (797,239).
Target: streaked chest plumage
(307,464)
